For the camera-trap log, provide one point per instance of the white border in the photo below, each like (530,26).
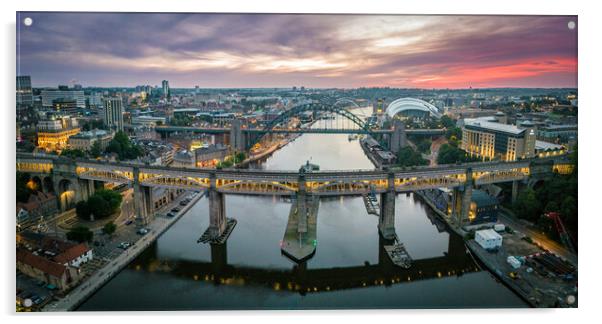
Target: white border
(589,98)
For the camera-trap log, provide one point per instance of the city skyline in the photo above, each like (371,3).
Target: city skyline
(320,51)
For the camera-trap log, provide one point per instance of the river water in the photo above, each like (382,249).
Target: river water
(348,270)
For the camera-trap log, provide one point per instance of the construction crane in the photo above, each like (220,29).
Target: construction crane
(564,235)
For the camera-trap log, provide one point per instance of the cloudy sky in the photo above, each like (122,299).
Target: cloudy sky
(253,50)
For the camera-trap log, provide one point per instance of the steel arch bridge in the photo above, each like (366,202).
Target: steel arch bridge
(346,100)
(298,110)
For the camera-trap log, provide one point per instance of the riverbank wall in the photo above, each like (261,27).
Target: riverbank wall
(99,278)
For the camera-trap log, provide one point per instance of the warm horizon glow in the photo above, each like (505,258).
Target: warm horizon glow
(280,50)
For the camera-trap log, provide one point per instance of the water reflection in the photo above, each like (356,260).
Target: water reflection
(349,269)
(299,278)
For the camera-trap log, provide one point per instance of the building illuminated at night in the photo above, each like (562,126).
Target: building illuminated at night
(54,133)
(492,140)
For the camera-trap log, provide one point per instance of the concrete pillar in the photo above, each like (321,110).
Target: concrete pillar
(237,140)
(217,209)
(455,246)
(386,221)
(302,206)
(454,203)
(91,187)
(466,197)
(398,138)
(219,256)
(141,198)
(515,187)
(383,257)
(149,205)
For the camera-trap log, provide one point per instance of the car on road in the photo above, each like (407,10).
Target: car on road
(142,231)
(175,209)
(129,222)
(170,214)
(124,245)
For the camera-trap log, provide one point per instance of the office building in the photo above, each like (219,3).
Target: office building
(85,140)
(54,133)
(165,86)
(484,138)
(65,105)
(208,157)
(113,113)
(24,92)
(49,96)
(94,100)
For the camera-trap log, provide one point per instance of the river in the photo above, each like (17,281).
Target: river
(348,269)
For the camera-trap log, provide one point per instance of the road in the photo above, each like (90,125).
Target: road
(110,267)
(435,145)
(537,237)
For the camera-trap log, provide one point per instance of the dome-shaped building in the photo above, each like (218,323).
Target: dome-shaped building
(412,107)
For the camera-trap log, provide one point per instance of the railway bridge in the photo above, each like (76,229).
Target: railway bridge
(73,180)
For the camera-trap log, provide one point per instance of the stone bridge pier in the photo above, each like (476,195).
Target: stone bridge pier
(142,200)
(386,221)
(217,209)
(461,200)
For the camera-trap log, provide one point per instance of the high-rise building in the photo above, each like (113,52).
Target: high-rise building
(113,113)
(48,96)
(165,85)
(24,93)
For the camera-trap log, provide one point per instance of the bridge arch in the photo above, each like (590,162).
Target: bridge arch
(405,105)
(346,100)
(66,194)
(296,111)
(36,183)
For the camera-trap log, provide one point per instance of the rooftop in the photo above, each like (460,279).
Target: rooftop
(38,262)
(485,124)
(481,198)
(547,146)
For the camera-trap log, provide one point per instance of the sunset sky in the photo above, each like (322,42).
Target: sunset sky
(257,50)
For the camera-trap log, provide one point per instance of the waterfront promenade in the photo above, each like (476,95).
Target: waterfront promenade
(157,227)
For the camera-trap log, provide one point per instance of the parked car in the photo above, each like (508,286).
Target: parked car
(129,222)
(142,231)
(170,214)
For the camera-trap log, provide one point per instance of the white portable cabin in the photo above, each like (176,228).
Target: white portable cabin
(488,239)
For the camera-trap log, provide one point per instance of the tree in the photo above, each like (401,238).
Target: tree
(82,210)
(551,206)
(109,228)
(23,191)
(80,234)
(101,204)
(424,145)
(527,206)
(448,154)
(239,157)
(447,122)
(96,149)
(73,153)
(453,134)
(123,147)
(408,157)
